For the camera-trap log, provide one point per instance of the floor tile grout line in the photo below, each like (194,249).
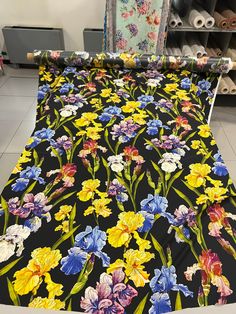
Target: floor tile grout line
(229,141)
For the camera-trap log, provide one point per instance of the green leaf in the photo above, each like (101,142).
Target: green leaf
(12,293)
(153,146)
(157,168)
(62,198)
(205,158)
(69,307)
(55,152)
(9,266)
(6,213)
(64,238)
(172,180)
(68,131)
(184,197)
(140,178)
(190,136)
(36,157)
(159,249)
(178,303)
(141,306)
(149,179)
(71,220)
(191,188)
(74,148)
(137,136)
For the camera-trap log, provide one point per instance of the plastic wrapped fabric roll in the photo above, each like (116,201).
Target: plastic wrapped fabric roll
(176,51)
(231,16)
(230,84)
(178,20)
(231,53)
(209,20)
(186,50)
(196,19)
(130,61)
(211,52)
(197,49)
(220,20)
(169,52)
(172,20)
(223,88)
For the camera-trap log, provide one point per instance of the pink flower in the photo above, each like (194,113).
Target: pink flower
(55,55)
(121,44)
(125,15)
(152,36)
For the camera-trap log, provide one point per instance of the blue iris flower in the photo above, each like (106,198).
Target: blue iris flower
(66,87)
(110,112)
(145,99)
(186,83)
(154,125)
(220,169)
(74,262)
(165,280)
(44,134)
(203,86)
(156,204)
(43,91)
(148,222)
(218,157)
(20,184)
(68,70)
(92,240)
(32,173)
(160,303)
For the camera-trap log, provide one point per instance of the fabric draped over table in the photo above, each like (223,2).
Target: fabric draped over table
(120,201)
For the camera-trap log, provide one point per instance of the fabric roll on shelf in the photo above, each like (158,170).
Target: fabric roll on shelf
(211,52)
(197,49)
(172,21)
(186,50)
(195,19)
(230,84)
(176,51)
(230,16)
(209,20)
(175,20)
(220,20)
(231,53)
(215,47)
(223,88)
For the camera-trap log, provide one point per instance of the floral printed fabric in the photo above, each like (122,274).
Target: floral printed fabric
(137,25)
(120,202)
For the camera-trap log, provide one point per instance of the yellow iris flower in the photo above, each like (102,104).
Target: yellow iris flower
(86,119)
(212,194)
(46,303)
(23,159)
(198,173)
(29,278)
(63,213)
(181,94)
(114,98)
(121,234)
(139,117)
(99,206)
(205,130)
(171,87)
(195,144)
(89,187)
(64,226)
(128,59)
(130,106)
(133,265)
(106,92)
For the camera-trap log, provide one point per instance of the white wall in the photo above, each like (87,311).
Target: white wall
(72,15)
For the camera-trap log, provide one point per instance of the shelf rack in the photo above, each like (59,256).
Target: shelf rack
(224,38)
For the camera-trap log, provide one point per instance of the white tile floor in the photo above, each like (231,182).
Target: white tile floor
(17,118)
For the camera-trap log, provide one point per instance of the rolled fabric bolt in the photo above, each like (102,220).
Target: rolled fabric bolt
(176,51)
(208,51)
(220,20)
(230,84)
(169,51)
(209,20)
(231,16)
(186,50)
(223,88)
(178,20)
(172,20)
(231,53)
(197,49)
(196,19)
